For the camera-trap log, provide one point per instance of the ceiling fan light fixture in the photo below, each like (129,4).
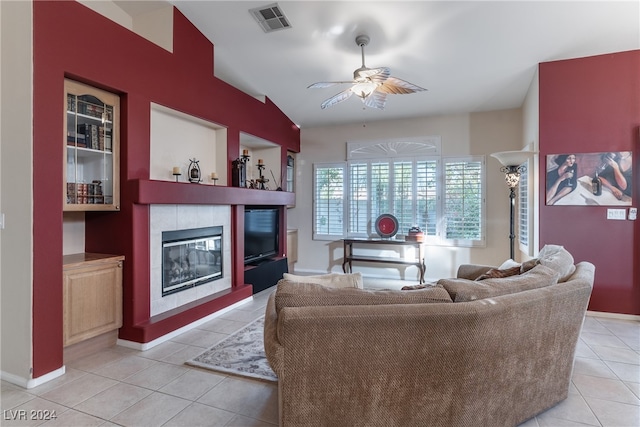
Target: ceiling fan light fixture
(372,85)
(364,89)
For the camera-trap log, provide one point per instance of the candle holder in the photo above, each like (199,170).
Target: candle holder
(214,178)
(262,180)
(176,173)
(239,171)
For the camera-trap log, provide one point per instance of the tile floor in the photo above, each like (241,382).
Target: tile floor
(120,386)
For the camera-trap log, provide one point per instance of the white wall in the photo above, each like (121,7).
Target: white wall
(73,227)
(16,189)
(531,140)
(152,20)
(462,134)
(176,138)
(271,158)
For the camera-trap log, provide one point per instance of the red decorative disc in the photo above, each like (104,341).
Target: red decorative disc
(386,225)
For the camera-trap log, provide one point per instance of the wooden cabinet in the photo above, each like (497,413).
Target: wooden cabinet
(92,295)
(292,248)
(291,165)
(91,144)
(290,176)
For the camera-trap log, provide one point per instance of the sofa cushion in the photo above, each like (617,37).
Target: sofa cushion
(334,280)
(462,290)
(300,294)
(559,259)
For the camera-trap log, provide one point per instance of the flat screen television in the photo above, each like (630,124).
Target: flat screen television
(261,230)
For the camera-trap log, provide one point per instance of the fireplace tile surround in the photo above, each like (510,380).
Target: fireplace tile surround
(181,217)
(153,317)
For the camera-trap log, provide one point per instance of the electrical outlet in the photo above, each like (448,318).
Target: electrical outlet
(633,213)
(616,214)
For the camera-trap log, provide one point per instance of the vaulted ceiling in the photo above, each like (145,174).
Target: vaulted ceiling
(470,55)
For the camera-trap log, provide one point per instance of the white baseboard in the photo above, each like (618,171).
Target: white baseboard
(31,382)
(148,345)
(618,316)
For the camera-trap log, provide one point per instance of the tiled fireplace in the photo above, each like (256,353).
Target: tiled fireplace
(190,254)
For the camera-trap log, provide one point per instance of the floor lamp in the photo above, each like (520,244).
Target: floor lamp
(512,167)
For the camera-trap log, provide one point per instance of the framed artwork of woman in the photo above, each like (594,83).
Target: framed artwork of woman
(589,179)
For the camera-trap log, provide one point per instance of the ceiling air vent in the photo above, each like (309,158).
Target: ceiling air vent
(270,18)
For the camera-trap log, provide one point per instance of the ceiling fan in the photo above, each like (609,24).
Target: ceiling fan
(372,85)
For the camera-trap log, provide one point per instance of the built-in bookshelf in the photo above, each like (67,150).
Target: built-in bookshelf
(91,161)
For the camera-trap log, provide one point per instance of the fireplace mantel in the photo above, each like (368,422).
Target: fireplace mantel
(149,192)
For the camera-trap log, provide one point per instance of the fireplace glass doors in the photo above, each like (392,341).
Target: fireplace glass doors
(190,258)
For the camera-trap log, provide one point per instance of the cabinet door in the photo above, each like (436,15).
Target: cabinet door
(91,141)
(92,298)
(292,248)
(291,174)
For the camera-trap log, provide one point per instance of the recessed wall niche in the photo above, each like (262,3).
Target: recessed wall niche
(177,137)
(269,152)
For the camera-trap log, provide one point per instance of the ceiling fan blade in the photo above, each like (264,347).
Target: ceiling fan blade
(397,86)
(376,100)
(322,85)
(342,96)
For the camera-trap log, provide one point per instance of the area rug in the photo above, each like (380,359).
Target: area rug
(241,353)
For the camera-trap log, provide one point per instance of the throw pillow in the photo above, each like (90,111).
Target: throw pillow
(508,264)
(462,290)
(559,259)
(528,265)
(413,287)
(334,280)
(292,294)
(496,273)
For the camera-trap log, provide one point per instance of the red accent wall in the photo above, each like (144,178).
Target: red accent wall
(71,40)
(592,105)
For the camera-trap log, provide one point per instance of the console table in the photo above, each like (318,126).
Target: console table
(349,257)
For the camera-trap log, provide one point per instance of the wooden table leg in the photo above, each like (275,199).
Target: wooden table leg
(346,257)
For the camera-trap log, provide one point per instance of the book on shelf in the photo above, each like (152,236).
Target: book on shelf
(89,109)
(71,103)
(90,132)
(101,138)
(108,145)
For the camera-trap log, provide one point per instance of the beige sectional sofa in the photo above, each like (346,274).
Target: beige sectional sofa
(497,356)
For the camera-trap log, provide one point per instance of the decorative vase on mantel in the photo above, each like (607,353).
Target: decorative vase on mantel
(195,175)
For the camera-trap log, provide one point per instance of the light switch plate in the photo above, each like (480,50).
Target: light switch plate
(616,214)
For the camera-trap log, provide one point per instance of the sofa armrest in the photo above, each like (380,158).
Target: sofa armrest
(272,347)
(472,271)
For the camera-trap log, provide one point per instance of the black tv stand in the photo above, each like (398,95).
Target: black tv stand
(258,263)
(266,273)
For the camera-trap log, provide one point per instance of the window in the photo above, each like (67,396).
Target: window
(523,208)
(463,200)
(443,196)
(328,218)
